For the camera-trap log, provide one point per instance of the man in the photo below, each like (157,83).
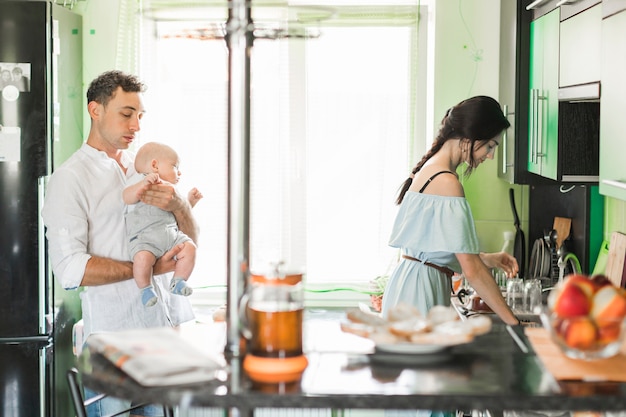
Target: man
(84,217)
(19,80)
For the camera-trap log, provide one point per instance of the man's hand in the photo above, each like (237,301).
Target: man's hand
(167,262)
(163,196)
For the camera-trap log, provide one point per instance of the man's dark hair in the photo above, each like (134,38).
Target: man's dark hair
(102,89)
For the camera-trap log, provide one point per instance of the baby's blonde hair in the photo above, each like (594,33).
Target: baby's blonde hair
(152,151)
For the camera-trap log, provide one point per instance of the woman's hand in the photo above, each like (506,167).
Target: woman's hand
(501,260)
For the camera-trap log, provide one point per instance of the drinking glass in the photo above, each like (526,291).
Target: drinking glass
(515,294)
(532,295)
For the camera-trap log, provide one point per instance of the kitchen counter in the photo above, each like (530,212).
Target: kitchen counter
(495,372)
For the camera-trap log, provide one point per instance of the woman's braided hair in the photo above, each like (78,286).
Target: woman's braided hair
(477,119)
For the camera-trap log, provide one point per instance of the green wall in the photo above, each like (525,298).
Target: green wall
(614,217)
(467,63)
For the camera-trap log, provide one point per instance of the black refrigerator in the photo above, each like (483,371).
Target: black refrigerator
(40,90)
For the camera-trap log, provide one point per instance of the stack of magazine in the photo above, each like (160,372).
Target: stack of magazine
(157,357)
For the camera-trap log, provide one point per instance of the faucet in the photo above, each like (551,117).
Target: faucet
(564,257)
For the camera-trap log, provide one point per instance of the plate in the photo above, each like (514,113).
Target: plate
(411,348)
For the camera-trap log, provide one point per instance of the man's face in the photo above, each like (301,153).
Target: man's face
(119,121)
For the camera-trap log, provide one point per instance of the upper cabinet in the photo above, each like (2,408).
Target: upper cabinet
(543,101)
(613,102)
(514,34)
(579,51)
(564,92)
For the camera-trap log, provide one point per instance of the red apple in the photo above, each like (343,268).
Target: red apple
(585,284)
(609,305)
(569,300)
(600,280)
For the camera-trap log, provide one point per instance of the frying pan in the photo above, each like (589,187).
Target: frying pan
(519,247)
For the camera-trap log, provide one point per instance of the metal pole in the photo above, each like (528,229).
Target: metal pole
(239,42)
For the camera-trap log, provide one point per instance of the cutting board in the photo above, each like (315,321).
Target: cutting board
(564,368)
(615,261)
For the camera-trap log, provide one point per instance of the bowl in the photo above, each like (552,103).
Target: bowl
(585,338)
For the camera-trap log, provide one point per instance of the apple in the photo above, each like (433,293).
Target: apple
(600,280)
(578,332)
(609,305)
(585,284)
(588,313)
(608,332)
(569,300)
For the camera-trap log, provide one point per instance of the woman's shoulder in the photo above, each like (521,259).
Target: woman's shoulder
(422,202)
(434,180)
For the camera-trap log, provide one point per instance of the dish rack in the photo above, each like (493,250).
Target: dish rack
(544,259)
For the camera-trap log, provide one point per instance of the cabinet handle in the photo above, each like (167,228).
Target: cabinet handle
(614,183)
(531,129)
(505,140)
(44,275)
(540,109)
(534,125)
(535,4)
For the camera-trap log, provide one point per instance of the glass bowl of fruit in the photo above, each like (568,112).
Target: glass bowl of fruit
(586,317)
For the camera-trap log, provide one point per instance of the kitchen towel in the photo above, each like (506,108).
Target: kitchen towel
(156,357)
(564,368)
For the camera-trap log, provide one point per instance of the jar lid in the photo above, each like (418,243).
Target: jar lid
(273,370)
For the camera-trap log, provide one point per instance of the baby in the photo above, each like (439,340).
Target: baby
(151,231)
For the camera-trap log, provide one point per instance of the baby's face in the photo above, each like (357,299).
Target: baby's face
(168,170)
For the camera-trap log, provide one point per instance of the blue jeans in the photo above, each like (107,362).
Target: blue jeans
(111,405)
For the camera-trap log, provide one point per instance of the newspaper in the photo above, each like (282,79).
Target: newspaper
(156,357)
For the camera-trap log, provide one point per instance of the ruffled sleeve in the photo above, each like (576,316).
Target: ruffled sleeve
(431,223)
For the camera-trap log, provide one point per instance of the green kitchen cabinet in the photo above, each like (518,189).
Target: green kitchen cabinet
(613,103)
(543,101)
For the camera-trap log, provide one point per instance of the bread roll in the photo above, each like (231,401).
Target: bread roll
(441,314)
(402,312)
(357,315)
(441,339)
(407,328)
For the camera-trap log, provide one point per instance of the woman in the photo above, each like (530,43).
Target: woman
(434,227)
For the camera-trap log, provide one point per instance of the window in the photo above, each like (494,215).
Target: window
(336,122)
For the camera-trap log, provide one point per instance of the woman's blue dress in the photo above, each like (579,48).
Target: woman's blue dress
(430,228)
